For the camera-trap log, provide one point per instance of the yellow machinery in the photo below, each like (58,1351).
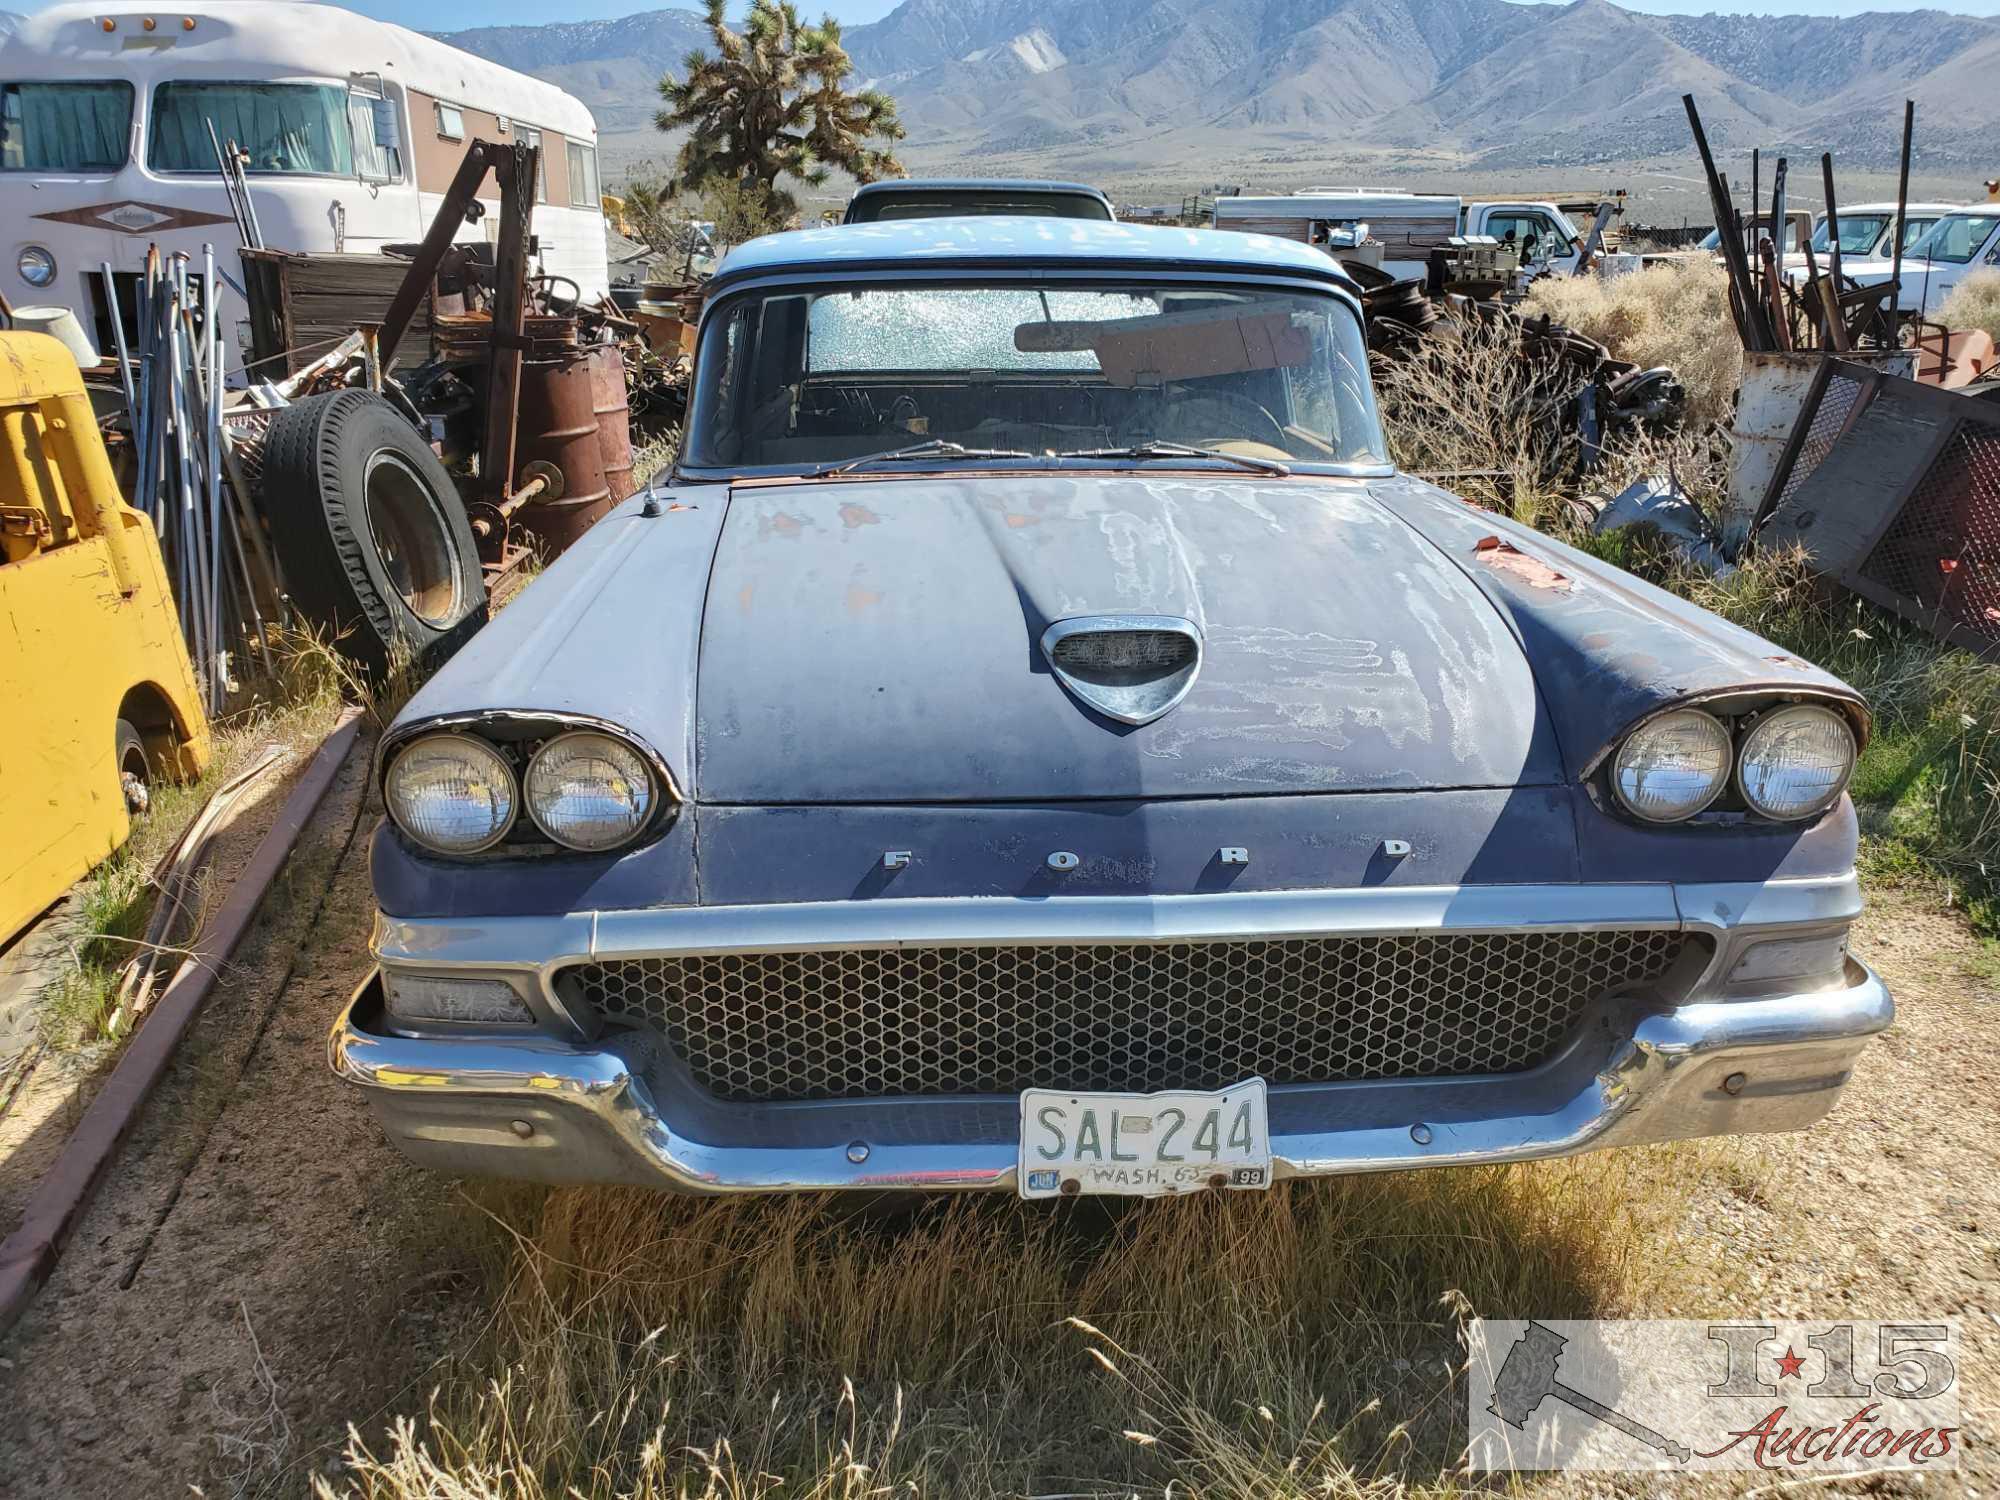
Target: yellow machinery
(95,683)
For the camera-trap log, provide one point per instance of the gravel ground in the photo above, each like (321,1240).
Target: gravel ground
(261,1269)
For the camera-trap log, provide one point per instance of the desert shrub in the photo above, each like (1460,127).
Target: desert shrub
(1671,315)
(1974,303)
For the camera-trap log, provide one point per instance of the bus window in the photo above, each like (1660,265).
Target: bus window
(298,128)
(378,153)
(533,137)
(583,176)
(64,127)
(450,122)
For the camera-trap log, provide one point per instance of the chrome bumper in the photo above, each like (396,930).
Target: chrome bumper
(622,1109)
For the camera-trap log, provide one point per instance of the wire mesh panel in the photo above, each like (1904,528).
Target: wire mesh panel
(1822,431)
(1943,550)
(864,1023)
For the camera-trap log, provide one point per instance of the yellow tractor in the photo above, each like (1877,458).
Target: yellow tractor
(97,696)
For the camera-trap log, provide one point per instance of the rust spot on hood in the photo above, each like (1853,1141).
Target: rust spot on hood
(1017,520)
(744,596)
(1496,552)
(779,523)
(852,516)
(860,600)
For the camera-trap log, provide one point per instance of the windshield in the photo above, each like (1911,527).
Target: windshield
(1955,239)
(1858,233)
(875,208)
(808,378)
(296,128)
(64,127)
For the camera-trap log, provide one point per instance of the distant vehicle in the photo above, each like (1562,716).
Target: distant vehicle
(92,640)
(1409,225)
(1960,243)
(939,198)
(353,129)
(1037,742)
(1867,230)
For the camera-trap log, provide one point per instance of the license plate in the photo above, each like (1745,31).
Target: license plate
(1143,1145)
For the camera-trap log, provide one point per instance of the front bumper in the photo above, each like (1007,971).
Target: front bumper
(622,1109)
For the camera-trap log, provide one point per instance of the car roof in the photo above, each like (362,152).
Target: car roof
(1006,241)
(894,185)
(1890,207)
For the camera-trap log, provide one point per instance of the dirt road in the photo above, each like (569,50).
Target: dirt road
(262,1269)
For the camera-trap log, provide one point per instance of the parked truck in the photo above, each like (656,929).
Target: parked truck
(1408,226)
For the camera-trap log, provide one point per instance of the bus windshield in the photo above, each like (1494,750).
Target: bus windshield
(295,128)
(65,127)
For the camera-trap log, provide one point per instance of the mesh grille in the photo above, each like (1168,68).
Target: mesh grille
(862,1023)
(1120,653)
(1943,550)
(1835,402)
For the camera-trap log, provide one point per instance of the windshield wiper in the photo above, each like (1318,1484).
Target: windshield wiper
(1156,449)
(935,448)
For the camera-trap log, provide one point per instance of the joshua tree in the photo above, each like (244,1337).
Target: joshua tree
(772,101)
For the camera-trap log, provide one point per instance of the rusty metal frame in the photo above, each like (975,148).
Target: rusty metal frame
(1802,428)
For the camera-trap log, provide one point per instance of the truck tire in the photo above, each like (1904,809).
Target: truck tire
(370,532)
(134,770)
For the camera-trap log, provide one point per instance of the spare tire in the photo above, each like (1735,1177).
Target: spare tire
(370,532)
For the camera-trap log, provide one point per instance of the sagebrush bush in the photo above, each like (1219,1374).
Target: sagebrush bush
(1671,315)
(1974,303)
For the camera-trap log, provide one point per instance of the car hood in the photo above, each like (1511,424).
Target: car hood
(879,642)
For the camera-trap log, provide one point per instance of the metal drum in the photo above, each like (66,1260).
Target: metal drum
(614,420)
(559,426)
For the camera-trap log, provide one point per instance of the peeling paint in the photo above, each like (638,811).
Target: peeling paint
(853,516)
(1504,555)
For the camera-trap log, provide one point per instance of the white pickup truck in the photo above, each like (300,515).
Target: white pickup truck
(1959,243)
(1408,225)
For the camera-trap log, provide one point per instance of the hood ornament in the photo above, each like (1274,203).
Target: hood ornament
(1132,668)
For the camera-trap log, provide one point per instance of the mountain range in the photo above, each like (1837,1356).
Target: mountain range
(1264,89)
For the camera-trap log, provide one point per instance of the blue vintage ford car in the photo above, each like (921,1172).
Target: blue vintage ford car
(1037,741)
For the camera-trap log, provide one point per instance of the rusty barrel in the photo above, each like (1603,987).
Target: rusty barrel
(559,426)
(614,419)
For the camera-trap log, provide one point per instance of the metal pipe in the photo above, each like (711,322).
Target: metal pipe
(1836,319)
(1902,210)
(211,435)
(118,339)
(1778,175)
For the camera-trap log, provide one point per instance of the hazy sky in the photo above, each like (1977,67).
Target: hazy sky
(447,15)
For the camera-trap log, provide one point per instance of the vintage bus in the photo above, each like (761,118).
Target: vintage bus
(352,128)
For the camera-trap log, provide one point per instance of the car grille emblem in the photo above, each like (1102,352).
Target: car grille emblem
(1131,668)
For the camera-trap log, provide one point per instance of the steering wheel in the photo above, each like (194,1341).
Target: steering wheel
(1240,420)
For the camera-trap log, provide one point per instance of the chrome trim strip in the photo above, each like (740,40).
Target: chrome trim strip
(544,1109)
(1387,911)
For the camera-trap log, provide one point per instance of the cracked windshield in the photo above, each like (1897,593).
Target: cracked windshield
(1011,372)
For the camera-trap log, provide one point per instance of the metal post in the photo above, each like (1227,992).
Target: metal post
(1902,209)
(1752,324)
(1836,319)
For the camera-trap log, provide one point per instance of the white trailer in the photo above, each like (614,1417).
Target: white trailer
(353,129)
(1409,225)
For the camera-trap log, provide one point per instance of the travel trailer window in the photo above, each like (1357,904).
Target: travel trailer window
(286,128)
(451,122)
(533,137)
(582,176)
(64,127)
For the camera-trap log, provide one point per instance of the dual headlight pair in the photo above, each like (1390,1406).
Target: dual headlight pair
(456,794)
(1791,764)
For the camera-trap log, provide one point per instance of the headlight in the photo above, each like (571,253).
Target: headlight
(1795,762)
(37,266)
(589,791)
(451,793)
(1672,767)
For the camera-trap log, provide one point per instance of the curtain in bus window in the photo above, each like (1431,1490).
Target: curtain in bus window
(64,127)
(285,127)
(376,151)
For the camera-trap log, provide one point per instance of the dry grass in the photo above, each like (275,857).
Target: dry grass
(114,900)
(1672,315)
(1974,303)
(1304,1341)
